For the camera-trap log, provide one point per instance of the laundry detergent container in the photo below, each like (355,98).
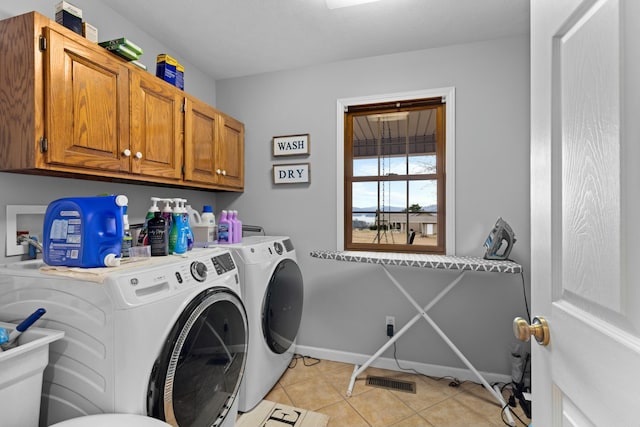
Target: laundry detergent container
(21,371)
(84,232)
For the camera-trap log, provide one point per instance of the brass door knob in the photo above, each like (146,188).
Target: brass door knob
(539,329)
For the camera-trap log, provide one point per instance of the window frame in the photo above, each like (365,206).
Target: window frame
(448,95)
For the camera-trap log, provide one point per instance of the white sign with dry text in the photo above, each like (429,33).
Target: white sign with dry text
(291,173)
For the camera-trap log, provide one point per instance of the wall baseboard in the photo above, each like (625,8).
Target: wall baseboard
(389,363)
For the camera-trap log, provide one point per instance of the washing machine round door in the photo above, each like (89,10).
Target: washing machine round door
(198,372)
(282,306)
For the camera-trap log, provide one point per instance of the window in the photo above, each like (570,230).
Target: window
(395,176)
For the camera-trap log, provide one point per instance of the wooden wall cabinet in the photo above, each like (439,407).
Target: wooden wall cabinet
(70,108)
(230,168)
(214,146)
(156,127)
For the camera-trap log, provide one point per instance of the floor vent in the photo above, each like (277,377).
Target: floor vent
(392,384)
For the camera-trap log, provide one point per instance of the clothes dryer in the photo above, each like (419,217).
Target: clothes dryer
(272,291)
(165,337)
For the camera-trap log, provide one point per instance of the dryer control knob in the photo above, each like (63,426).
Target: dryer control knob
(199,271)
(278,248)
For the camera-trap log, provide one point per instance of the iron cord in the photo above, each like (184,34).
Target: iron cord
(524,290)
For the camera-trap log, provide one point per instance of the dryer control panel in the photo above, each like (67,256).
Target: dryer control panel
(223,263)
(163,278)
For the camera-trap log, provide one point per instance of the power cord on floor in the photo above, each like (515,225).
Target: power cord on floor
(306,360)
(517,396)
(506,422)
(454,382)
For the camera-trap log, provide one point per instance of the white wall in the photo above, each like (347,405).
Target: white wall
(18,189)
(346,304)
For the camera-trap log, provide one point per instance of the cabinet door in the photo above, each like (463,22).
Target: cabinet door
(231,153)
(86,105)
(156,127)
(200,141)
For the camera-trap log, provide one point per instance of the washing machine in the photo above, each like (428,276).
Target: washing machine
(272,291)
(165,337)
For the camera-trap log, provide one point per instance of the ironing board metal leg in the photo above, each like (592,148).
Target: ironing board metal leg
(360,369)
(352,381)
(433,301)
(464,360)
(507,411)
(423,312)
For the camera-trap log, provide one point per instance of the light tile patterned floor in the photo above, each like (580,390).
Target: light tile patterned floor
(321,387)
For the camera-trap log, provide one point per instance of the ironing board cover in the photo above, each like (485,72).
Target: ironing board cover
(444,262)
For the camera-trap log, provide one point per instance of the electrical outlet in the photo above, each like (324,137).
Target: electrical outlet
(390,320)
(391,324)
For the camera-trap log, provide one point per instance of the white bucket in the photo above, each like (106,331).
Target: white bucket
(21,370)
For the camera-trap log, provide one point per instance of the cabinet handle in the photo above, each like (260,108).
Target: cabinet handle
(138,155)
(126,152)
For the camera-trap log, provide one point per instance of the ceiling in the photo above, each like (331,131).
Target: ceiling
(234,38)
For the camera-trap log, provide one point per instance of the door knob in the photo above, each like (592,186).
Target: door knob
(539,329)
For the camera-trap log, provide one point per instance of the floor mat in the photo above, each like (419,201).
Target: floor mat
(273,414)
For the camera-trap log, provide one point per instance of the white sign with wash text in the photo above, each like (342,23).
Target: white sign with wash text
(291,145)
(291,173)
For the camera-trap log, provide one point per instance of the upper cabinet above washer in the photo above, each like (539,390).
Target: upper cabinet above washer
(214,146)
(70,108)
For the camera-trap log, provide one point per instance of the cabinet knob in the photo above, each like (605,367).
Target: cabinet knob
(126,152)
(224,173)
(138,155)
(218,171)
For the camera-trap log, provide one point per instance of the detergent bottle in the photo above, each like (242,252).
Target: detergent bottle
(194,216)
(84,232)
(158,236)
(186,224)
(177,237)
(225,229)
(167,214)
(143,238)
(127,239)
(237,227)
(185,241)
(208,218)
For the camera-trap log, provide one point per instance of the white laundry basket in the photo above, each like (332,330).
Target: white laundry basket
(21,370)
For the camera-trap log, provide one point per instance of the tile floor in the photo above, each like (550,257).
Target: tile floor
(321,387)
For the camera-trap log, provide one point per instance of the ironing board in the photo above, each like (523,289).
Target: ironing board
(445,262)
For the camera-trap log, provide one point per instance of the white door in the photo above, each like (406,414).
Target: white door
(585,217)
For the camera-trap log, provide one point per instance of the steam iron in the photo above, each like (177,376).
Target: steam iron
(500,241)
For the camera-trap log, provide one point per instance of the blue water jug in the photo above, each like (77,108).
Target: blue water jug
(84,231)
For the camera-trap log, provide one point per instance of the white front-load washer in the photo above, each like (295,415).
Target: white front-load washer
(272,291)
(165,337)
